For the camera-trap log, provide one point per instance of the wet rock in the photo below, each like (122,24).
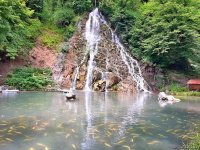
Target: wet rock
(97,76)
(81,79)
(100,85)
(162,96)
(112,80)
(70,95)
(127,85)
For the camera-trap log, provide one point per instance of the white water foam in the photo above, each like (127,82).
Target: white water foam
(92,35)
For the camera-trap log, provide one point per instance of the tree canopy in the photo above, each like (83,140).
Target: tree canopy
(162,32)
(14,19)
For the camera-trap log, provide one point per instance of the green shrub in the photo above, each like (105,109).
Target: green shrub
(17,28)
(30,78)
(189,93)
(51,38)
(177,88)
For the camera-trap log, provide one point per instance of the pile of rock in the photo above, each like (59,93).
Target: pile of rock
(165,99)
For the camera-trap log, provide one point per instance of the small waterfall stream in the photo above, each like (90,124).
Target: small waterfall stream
(92,36)
(132,64)
(75,78)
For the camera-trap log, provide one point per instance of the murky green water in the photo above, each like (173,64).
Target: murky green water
(45,121)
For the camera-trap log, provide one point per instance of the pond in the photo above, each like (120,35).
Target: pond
(97,121)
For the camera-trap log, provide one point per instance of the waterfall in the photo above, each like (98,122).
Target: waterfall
(132,64)
(75,78)
(92,37)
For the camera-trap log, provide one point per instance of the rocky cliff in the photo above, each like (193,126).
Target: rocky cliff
(113,67)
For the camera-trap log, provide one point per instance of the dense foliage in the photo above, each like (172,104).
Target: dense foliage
(22,20)
(166,33)
(64,14)
(162,32)
(30,78)
(50,37)
(17,28)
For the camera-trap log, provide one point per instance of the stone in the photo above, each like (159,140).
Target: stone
(162,96)
(1,88)
(127,85)
(112,80)
(97,76)
(70,95)
(100,85)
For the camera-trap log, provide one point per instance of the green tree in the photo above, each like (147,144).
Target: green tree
(15,23)
(121,14)
(166,33)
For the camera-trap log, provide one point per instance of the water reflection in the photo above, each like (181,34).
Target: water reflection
(73,106)
(96,121)
(133,104)
(88,141)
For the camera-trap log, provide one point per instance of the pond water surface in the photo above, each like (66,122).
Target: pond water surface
(97,121)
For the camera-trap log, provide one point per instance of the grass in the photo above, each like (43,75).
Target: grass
(179,90)
(51,37)
(188,93)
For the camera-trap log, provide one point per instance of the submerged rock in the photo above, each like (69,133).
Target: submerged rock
(112,80)
(165,99)
(70,95)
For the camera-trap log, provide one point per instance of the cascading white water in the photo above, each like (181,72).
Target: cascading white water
(132,64)
(73,87)
(92,37)
(75,78)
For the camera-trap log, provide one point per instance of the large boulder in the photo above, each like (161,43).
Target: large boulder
(127,85)
(100,85)
(112,80)
(70,96)
(97,75)
(162,96)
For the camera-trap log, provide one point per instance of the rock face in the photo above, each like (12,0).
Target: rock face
(7,66)
(110,72)
(42,56)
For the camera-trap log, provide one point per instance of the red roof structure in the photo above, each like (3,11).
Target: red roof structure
(194,84)
(194,81)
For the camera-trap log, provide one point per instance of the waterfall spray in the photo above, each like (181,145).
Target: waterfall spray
(92,36)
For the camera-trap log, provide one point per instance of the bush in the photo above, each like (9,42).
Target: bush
(177,88)
(51,38)
(17,27)
(166,33)
(29,78)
